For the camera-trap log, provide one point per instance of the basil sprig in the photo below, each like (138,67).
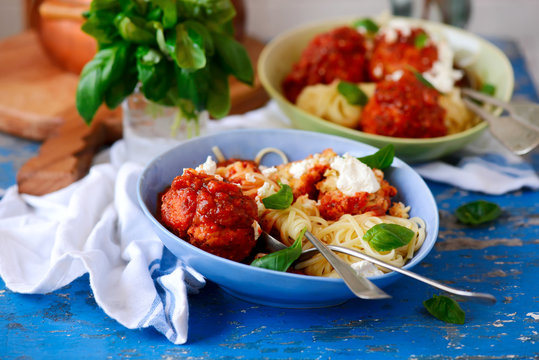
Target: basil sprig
(181,52)
(420,40)
(445,309)
(282,259)
(352,93)
(424,81)
(478,212)
(381,159)
(488,89)
(368,24)
(281,200)
(386,237)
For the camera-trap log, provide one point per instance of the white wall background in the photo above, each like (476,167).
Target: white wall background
(512,19)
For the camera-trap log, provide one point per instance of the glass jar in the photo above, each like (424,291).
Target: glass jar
(150,129)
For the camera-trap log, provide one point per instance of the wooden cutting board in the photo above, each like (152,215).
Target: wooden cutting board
(37,101)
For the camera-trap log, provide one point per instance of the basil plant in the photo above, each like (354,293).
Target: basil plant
(181,52)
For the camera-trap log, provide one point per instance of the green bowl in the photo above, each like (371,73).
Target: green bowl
(483,59)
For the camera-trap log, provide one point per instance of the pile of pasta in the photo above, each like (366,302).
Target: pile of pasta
(347,230)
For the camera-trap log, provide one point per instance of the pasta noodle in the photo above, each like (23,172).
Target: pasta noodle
(457,115)
(346,231)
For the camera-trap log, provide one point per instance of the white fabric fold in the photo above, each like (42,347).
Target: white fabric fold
(95,226)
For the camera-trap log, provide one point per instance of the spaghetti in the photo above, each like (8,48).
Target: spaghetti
(306,211)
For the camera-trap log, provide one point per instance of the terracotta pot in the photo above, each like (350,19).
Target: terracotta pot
(61,35)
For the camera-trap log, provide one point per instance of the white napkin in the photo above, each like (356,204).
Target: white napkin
(484,166)
(95,226)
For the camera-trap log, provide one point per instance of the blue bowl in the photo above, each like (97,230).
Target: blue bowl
(263,286)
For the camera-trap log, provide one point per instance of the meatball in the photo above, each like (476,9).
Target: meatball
(211,214)
(338,54)
(401,53)
(404,108)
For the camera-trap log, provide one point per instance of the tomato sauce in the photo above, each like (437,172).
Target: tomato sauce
(401,54)
(338,54)
(406,108)
(211,214)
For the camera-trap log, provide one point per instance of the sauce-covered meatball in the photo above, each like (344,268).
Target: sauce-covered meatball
(404,108)
(211,214)
(338,54)
(401,51)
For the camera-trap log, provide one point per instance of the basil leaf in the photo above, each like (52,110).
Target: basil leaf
(124,85)
(96,77)
(488,89)
(133,29)
(381,159)
(96,5)
(193,86)
(420,40)
(478,212)
(100,25)
(422,79)
(189,49)
(281,200)
(153,73)
(386,237)
(367,24)
(170,15)
(235,59)
(219,95)
(445,309)
(353,94)
(282,259)
(208,11)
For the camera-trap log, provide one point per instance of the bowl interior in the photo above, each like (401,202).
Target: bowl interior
(480,57)
(256,284)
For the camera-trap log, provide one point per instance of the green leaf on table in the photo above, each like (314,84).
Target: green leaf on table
(281,200)
(282,259)
(352,93)
(96,5)
(445,309)
(478,212)
(235,58)
(381,159)
(386,237)
(96,77)
(368,24)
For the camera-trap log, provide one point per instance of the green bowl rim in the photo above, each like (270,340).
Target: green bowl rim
(276,94)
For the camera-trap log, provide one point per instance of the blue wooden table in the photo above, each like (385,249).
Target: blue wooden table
(501,258)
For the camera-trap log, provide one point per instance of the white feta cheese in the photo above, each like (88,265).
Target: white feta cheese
(250,177)
(257,229)
(265,190)
(208,167)
(268,171)
(366,268)
(354,176)
(391,30)
(442,75)
(395,76)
